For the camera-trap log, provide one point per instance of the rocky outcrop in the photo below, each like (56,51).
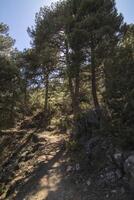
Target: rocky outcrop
(129,170)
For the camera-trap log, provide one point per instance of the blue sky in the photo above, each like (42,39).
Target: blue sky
(19,14)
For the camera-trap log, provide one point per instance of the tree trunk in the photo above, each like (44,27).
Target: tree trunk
(46,92)
(94,87)
(76,94)
(69,73)
(26,109)
(74,88)
(12,109)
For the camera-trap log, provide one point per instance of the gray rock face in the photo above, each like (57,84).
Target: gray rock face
(109,176)
(90,144)
(129,169)
(118,159)
(129,165)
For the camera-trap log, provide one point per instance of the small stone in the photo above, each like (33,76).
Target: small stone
(107,196)
(24,154)
(102,176)
(89,182)
(122,190)
(117,156)
(69,168)
(114,191)
(110,176)
(118,173)
(77,167)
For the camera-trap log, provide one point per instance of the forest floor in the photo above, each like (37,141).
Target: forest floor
(39,167)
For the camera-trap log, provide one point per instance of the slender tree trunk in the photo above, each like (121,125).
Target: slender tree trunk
(76,95)
(12,110)
(69,73)
(26,110)
(94,87)
(46,91)
(74,88)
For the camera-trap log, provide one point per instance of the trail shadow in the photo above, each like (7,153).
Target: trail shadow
(38,183)
(70,186)
(15,144)
(19,148)
(30,184)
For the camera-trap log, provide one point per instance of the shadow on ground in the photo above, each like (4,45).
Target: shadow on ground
(41,169)
(29,163)
(31,183)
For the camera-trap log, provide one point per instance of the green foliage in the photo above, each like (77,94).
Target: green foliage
(82,54)
(119,86)
(36,99)
(6,42)
(10,81)
(82,57)
(9,91)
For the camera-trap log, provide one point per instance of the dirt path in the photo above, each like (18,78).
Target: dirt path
(46,173)
(42,174)
(50,179)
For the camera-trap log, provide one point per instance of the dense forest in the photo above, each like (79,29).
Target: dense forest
(77,79)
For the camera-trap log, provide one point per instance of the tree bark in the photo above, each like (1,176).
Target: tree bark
(26,108)
(12,108)
(69,73)
(74,88)
(76,95)
(94,87)
(46,91)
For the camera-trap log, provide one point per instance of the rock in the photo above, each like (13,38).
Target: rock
(114,191)
(110,176)
(69,168)
(101,176)
(117,156)
(77,167)
(129,169)
(118,159)
(129,165)
(107,196)
(118,174)
(89,182)
(122,190)
(90,144)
